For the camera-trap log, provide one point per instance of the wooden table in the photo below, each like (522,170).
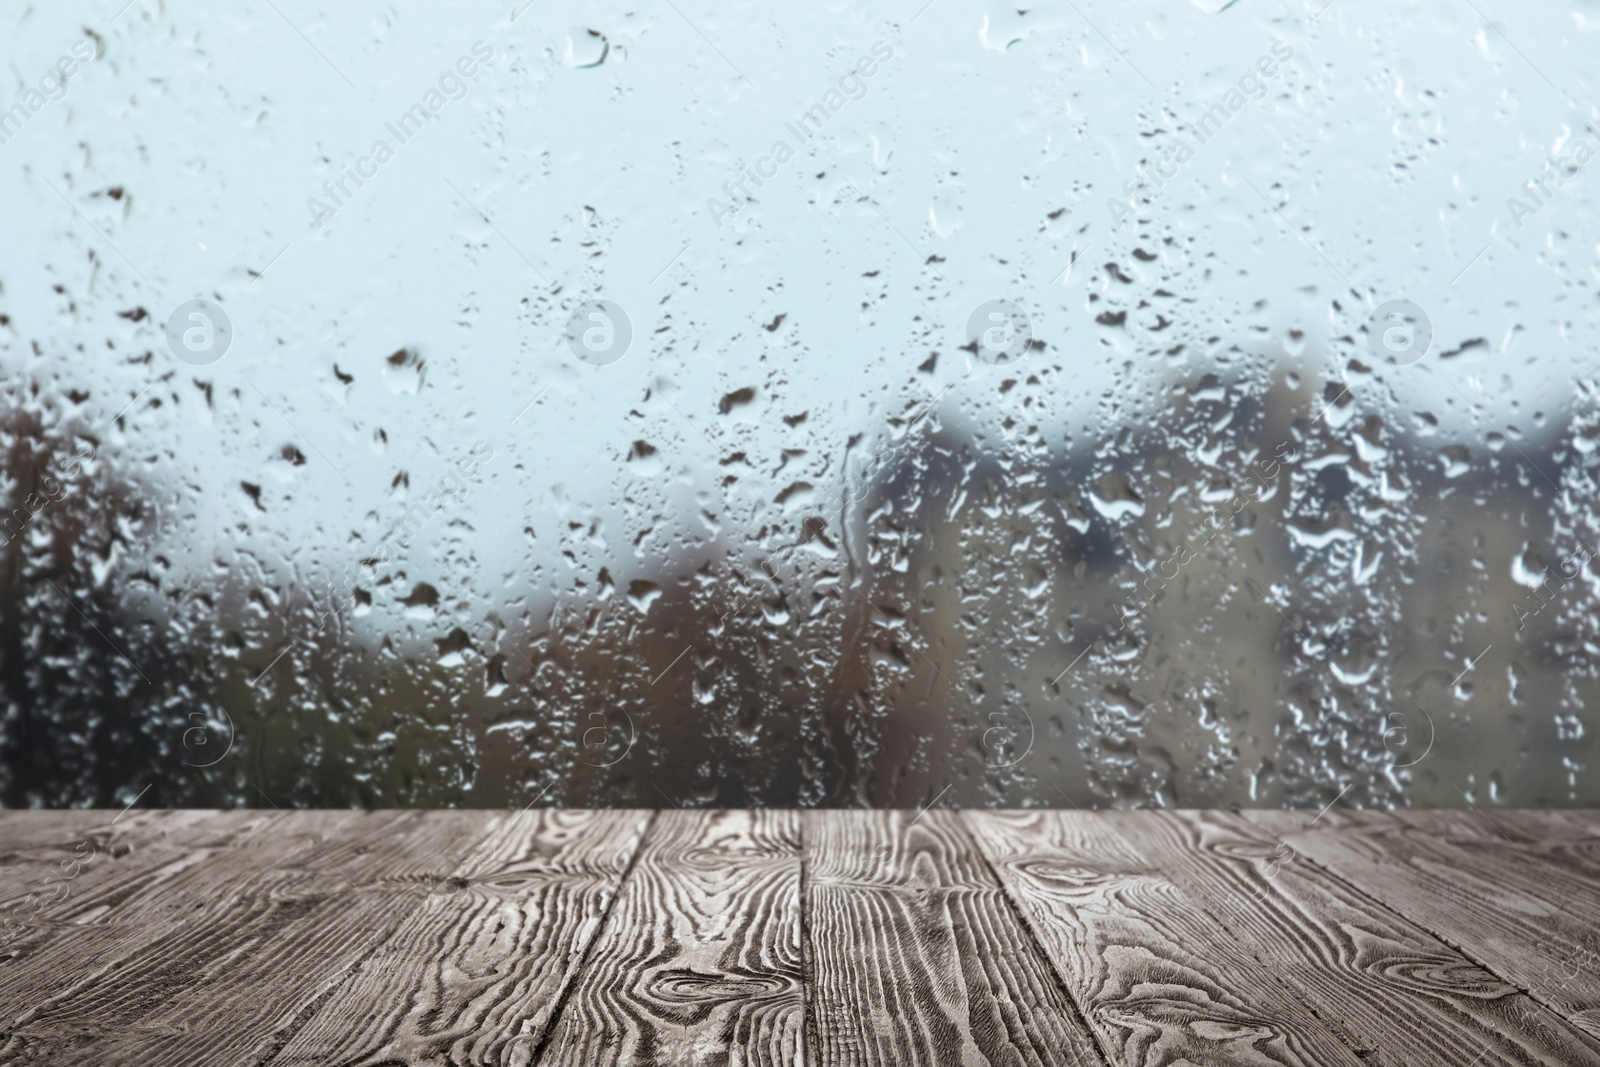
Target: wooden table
(784,937)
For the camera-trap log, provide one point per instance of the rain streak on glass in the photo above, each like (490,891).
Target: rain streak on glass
(712,404)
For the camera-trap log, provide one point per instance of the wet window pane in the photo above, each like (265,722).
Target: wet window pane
(1097,404)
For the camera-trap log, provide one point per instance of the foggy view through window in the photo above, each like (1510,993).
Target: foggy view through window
(1097,404)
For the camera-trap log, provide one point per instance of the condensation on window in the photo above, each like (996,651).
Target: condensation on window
(708,404)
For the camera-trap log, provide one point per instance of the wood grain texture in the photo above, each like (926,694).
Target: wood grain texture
(1567,824)
(247,946)
(1396,993)
(1537,832)
(1279,823)
(121,901)
(382,938)
(916,957)
(50,857)
(1528,916)
(31,847)
(700,960)
(473,976)
(1150,970)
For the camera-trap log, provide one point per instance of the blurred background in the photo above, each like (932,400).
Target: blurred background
(1213,529)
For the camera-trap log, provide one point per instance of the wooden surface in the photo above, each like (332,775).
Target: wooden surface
(702,937)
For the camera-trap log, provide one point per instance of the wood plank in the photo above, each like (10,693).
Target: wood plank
(473,975)
(134,906)
(32,843)
(699,961)
(47,857)
(1149,969)
(1542,844)
(1281,822)
(117,904)
(1521,826)
(1578,822)
(245,949)
(1398,994)
(1532,921)
(915,956)
(1518,824)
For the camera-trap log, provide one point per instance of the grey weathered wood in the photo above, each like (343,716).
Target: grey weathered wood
(1529,919)
(1566,823)
(203,937)
(1521,828)
(1541,838)
(1148,968)
(121,900)
(52,856)
(1397,993)
(32,847)
(699,960)
(474,975)
(247,949)
(1282,822)
(916,957)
